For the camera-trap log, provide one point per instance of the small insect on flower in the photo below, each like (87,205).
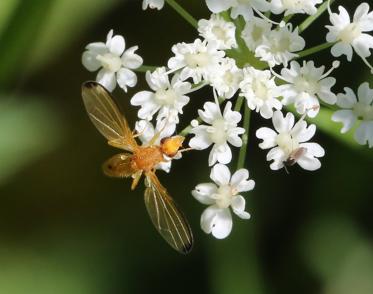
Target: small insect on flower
(137,160)
(294,156)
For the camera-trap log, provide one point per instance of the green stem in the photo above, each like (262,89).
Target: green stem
(314,50)
(145,68)
(309,20)
(185,14)
(238,105)
(245,138)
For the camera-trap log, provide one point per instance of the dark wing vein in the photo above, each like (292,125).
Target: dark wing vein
(166,217)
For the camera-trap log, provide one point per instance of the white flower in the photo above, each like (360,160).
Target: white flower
(260,91)
(153,4)
(115,62)
(221,195)
(349,34)
(196,60)
(255,29)
(245,8)
(168,98)
(278,46)
(294,6)
(146,132)
(222,130)
(306,85)
(216,29)
(288,140)
(354,108)
(226,78)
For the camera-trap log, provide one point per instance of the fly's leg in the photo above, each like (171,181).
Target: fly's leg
(136,178)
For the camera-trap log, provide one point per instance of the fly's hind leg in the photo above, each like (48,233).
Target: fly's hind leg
(136,178)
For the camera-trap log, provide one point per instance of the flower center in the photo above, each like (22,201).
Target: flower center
(228,78)
(306,84)
(224,196)
(350,33)
(218,133)
(166,97)
(110,61)
(260,89)
(363,111)
(292,3)
(200,59)
(219,33)
(257,33)
(287,143)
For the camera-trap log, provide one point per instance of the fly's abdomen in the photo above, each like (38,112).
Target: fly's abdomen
(119,166)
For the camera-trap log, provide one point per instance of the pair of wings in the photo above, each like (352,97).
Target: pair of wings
(109,121)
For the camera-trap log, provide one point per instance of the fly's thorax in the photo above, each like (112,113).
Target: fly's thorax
(146,158)
(171,145)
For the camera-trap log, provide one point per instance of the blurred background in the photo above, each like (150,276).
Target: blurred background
(66,228)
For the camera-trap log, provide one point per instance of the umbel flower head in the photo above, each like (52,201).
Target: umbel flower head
(253,66)
(220,195)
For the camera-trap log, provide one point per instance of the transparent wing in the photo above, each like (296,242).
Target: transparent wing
(166,217)
(106,116)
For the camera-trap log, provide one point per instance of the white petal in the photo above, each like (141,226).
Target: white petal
(210,113)
(305,133)
(203,193)
(346,117)
(200,141)
(107,79)
(141,98)
(223,153)
(90,62)
(342,49)
(309,163)
(283,124)
(313,149)
(130,59)
(364,133)
(240,181)
(347,99)
(238,206)
(126,77)
(217,6)
(216,221)
(268,136)
(97,47)
(116,45)
(365,94)
(220,174)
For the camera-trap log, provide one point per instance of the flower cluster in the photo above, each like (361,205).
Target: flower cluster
(246,59)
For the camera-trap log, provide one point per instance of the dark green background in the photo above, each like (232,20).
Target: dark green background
(65,228)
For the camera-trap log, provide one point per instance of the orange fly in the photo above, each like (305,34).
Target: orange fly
(138,160)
